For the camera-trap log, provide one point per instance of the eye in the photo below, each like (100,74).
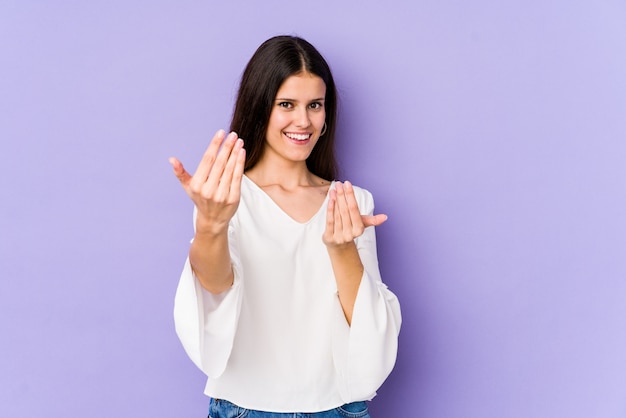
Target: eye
(316,105)
(286,105)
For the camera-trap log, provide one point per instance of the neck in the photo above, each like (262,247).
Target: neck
(289,175)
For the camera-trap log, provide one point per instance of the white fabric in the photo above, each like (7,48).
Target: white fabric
(278,340)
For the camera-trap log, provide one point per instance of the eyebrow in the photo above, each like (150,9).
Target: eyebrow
(294,100)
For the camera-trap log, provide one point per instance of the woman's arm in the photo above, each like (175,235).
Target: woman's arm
(344,223)
(364,347)
(215,189)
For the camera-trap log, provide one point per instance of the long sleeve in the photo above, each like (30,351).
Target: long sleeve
(206,323)
(365,352)
(278,340)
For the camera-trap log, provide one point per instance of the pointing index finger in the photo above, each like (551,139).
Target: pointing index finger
(353,207)
(209,156)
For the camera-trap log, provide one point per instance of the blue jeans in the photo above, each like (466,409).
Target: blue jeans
(220,408)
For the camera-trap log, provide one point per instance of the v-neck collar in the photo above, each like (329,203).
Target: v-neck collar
(281,210)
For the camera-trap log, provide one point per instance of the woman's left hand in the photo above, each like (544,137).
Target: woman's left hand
(344,222)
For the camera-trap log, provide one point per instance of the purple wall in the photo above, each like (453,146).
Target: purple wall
(493,134)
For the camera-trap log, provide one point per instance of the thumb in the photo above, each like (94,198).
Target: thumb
(373,220)
(179,171)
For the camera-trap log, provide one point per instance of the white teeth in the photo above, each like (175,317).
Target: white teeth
(299,137)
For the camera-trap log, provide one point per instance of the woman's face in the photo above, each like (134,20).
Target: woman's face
(297,118)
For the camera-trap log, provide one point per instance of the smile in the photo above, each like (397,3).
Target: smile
(298,137)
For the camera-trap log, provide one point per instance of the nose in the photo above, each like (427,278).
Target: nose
(302,118)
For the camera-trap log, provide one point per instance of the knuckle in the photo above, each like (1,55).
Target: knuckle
(218,198)
(207,194)
(194,187)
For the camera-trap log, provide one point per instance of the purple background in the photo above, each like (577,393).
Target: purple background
(492,133)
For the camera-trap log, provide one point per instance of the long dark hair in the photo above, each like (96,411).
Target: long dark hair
(273,62)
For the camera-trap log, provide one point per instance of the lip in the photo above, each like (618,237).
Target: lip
(293,137)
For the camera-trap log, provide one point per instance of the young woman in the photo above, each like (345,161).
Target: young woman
(280,302)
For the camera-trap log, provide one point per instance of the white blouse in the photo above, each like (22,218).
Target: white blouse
(278,340)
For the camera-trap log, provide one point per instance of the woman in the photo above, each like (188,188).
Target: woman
(280,302)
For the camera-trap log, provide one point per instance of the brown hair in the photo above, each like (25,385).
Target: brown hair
(273,62)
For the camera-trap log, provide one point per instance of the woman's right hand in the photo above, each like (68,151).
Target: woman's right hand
(215,187)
